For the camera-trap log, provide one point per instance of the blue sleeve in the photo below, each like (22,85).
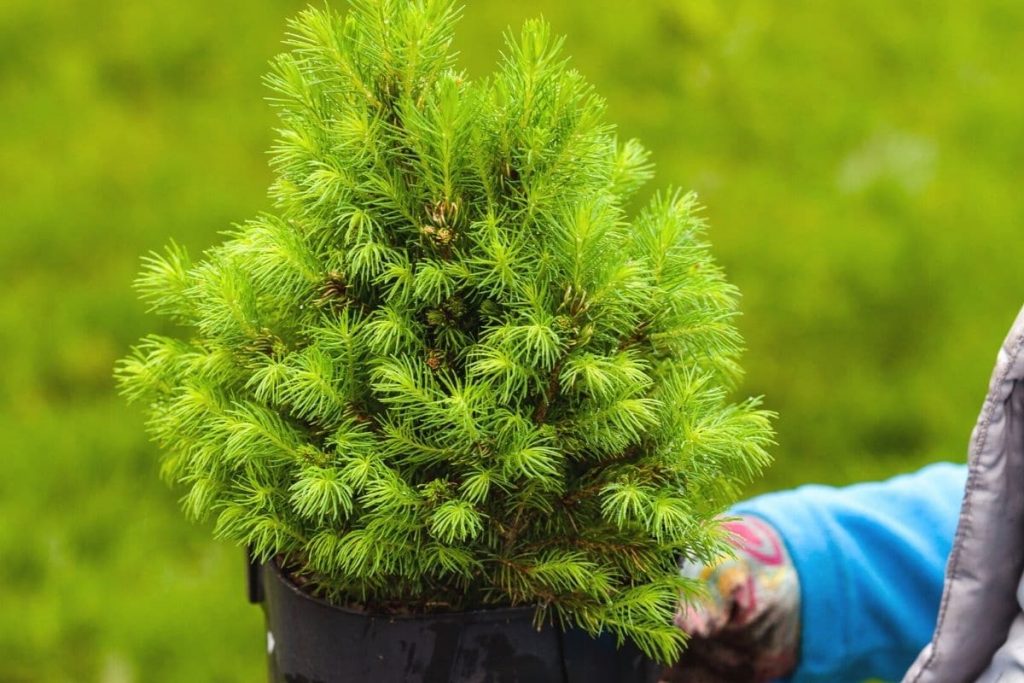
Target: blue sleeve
(871,560)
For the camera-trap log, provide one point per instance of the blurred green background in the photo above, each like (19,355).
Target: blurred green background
(859,163)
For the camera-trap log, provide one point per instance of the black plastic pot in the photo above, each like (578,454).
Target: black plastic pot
(311,641)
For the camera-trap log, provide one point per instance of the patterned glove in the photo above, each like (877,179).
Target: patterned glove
(747,630)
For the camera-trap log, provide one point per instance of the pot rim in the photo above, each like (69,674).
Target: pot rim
(507,612)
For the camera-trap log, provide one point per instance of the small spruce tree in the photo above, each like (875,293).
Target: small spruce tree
(450,371)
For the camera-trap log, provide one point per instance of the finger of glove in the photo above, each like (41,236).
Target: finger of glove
(724,584)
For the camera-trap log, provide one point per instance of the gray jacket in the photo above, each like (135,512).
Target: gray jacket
(980,631)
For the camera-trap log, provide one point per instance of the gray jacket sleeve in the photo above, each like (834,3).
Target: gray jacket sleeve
(980,631)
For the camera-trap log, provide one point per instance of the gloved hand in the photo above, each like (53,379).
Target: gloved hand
(748,628)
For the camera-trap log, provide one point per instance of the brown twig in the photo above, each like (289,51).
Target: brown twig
(541,413)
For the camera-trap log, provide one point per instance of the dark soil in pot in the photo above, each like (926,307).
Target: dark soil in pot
(312,641)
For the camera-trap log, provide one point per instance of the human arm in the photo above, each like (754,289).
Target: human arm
(870,560)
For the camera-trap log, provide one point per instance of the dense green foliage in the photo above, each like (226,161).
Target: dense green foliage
(449,370)
(859,163)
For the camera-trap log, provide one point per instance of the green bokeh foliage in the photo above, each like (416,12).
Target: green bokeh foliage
(859,163)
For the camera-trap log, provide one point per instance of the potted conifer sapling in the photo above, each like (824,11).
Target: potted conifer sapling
(464,409)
